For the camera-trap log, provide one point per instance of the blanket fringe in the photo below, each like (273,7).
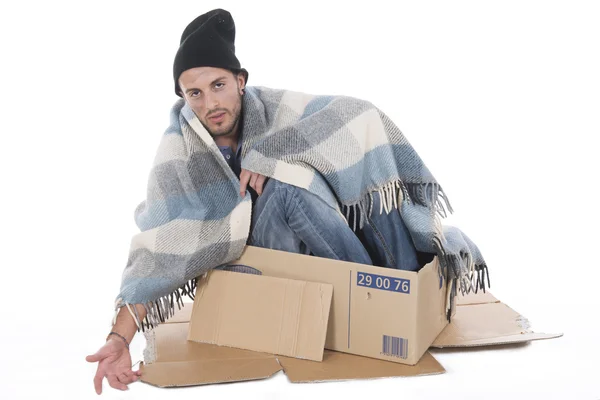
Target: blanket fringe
(159,310)
(431,195)
(461,273)
(392,194)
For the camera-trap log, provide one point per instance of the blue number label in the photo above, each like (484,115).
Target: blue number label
(383,282)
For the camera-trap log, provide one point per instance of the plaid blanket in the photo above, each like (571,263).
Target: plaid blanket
(340,148)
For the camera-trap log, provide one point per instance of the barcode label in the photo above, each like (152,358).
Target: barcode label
(395,346)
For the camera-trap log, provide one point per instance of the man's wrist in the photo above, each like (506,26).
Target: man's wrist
(117,341)
(119,338)
(125,325)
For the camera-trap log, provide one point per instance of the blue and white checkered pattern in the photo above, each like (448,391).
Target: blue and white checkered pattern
(340,148)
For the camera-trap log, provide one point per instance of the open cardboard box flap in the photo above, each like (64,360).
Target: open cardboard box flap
(273,315)
(483,320)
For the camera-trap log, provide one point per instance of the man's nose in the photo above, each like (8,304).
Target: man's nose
(210,102)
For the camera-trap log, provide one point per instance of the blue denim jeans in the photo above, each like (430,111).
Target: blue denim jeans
(295,220)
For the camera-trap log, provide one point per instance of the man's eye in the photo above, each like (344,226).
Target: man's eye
(194,93)
(219,85)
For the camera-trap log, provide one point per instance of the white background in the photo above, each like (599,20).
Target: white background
(501,100)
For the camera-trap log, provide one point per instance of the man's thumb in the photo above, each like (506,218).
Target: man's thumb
(95,357)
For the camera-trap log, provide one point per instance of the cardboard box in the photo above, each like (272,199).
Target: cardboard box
(479,320)
(376,312)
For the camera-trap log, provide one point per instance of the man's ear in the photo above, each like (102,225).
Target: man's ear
(241,83)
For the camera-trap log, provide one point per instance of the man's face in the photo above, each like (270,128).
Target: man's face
(214,94)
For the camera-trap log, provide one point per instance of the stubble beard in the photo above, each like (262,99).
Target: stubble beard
(237,112)
(228,130)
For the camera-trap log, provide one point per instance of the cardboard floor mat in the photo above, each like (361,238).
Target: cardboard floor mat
(337,366)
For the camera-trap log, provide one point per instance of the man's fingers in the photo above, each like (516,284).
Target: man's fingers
(126,378)
(132,375)
(98,380)
(122,378)
(114,382)
(260,183)
(244,179)
(253,180)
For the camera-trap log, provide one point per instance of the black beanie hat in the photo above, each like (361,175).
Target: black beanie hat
(208,41)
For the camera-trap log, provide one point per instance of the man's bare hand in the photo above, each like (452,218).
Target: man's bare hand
(114,363)
(256,181)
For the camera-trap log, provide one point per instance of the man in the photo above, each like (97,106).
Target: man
(285,216)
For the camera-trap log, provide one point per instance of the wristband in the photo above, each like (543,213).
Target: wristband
(116,334)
